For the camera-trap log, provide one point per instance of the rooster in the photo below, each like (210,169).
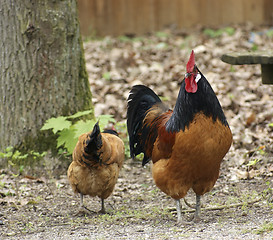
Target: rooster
(97,160)
(186,144)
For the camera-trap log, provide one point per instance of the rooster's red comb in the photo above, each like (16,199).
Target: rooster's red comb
(191,63)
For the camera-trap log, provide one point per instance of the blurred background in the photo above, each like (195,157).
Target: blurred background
(129,42)
(135,17)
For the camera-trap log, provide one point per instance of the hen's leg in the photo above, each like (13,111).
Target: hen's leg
(102,206)
(83,209)
(81,196)
(197,208)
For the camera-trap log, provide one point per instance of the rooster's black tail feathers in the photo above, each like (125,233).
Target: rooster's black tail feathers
(140,99)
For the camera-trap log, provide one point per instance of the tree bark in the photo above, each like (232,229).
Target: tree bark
(42,69)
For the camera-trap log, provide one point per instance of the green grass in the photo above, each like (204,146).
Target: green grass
(218,32)
(126,216)
(267,227)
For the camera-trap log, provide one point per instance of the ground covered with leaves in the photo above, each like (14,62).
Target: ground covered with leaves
(42,205)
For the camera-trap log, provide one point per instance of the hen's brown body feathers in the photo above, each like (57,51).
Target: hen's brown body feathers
(91,177)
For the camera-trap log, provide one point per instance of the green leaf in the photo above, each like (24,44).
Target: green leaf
(21,169)
(8,155)
(9,149)
(232,69)
(106,76)
(270,124)
(124,38)
(61,151)
(105,119)
(253,162)
(162,34)
(80,114)
(216,33)
(83,127)
(269,33)
(162,98)
(43,154)
(230,31)
(209,32)
(254,47)
(56,124)
(18,156)
(11,163)
(67,139)
(37,154)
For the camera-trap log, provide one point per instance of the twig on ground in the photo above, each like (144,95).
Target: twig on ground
(188,204)
(225,206)
(218,207)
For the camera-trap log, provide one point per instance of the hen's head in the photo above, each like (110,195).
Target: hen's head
(192,76)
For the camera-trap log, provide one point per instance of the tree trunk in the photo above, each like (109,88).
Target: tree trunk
(42,69)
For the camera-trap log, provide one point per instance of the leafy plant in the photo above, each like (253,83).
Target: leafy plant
(269,33)
(162,34)
(267,227)
(69,129)
(130,39)
(253,162)
(256,156)
(124,38)
(121,128)
(106,76)
(254,47)
(232,69)
(18,159)
(219,32)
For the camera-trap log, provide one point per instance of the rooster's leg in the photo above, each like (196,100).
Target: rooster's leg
(197,208)
(102,206)
(178,209)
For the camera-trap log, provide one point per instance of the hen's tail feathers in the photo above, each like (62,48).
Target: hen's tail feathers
(111,131)
(93,144)
(140,99)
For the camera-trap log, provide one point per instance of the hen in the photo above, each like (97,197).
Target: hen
(187,144)
(97,160)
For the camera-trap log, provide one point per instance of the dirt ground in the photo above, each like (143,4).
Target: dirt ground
(46,208)
(41,205)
